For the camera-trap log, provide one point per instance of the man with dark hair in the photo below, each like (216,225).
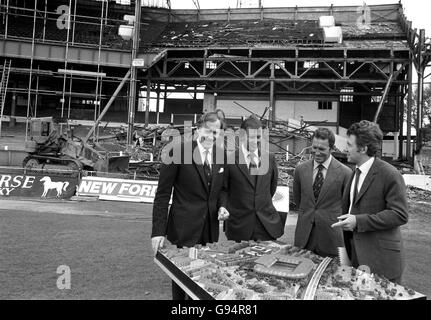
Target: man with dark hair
(222,117)
(318,188)
(248,188)
(195,185)
(375,206)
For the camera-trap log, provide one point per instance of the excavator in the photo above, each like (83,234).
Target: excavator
(57,146)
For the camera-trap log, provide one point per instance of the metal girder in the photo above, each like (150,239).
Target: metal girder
(311,80)
(55,52)
(327,87)
(232,68)
(386,91)
(380,70)
(380,16)
(195,70)
(239,70)
(216,68)
(175,68)
(288,59)
(108,105)
(308,69)
(285,70)
(333,70)
(382,101)
(287,87)
(260,69)
(245,85)
(224,85)
(196,3)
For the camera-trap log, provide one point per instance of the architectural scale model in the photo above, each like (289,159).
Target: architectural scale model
(275,271)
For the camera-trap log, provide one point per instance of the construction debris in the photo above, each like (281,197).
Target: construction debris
(268,31)
(416,194)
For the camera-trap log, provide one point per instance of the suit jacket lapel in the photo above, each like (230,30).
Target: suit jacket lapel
(200,167)
(262,174)
(214,168)
(331,176)
(242,165)
(368,180)
(308,176)
(346,194)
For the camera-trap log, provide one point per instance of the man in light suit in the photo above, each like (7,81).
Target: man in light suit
(195,180)
(249,185)
(375,206)
(318,187)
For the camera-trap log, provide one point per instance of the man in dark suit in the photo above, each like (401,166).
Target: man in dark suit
(318,187)
(195,177)
(249,185)
(375,205)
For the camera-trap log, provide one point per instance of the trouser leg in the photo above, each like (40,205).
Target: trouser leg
(314,246)
(397,280)
(260,233)
(354,258)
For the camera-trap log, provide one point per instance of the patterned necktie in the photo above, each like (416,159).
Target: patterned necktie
(318,182)
(355,191)
(253,166)
(207,167)
(254,163)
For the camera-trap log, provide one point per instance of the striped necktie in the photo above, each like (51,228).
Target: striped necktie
(318,182)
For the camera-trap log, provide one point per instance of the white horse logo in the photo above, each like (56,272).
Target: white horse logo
(50,185)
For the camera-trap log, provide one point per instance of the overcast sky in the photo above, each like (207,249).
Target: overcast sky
(418,11)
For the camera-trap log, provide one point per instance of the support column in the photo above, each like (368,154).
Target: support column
(158,103)
(271,115)
(12,121)
(409,112)
(209,102)
(396,145)
(7,19)
(36,98)
(165,96)
(147,107)
(420,94)
(133,75)
(401,125)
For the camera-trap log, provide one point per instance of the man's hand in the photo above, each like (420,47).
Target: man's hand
(347,222)
(157,242)
(223,214)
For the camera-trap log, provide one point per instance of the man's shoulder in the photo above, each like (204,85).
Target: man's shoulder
(341,166)
(304,165)
(386,169)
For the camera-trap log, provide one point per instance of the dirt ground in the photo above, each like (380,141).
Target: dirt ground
(107,247)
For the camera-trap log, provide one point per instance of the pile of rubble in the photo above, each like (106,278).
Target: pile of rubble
(416,194)
(241,32)
(286,167)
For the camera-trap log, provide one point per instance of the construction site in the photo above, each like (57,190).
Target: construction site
(89,89)
(106,84)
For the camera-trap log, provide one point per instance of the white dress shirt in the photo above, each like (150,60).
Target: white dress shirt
(202,151)
(325,165)
(365,168)
(248,154)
